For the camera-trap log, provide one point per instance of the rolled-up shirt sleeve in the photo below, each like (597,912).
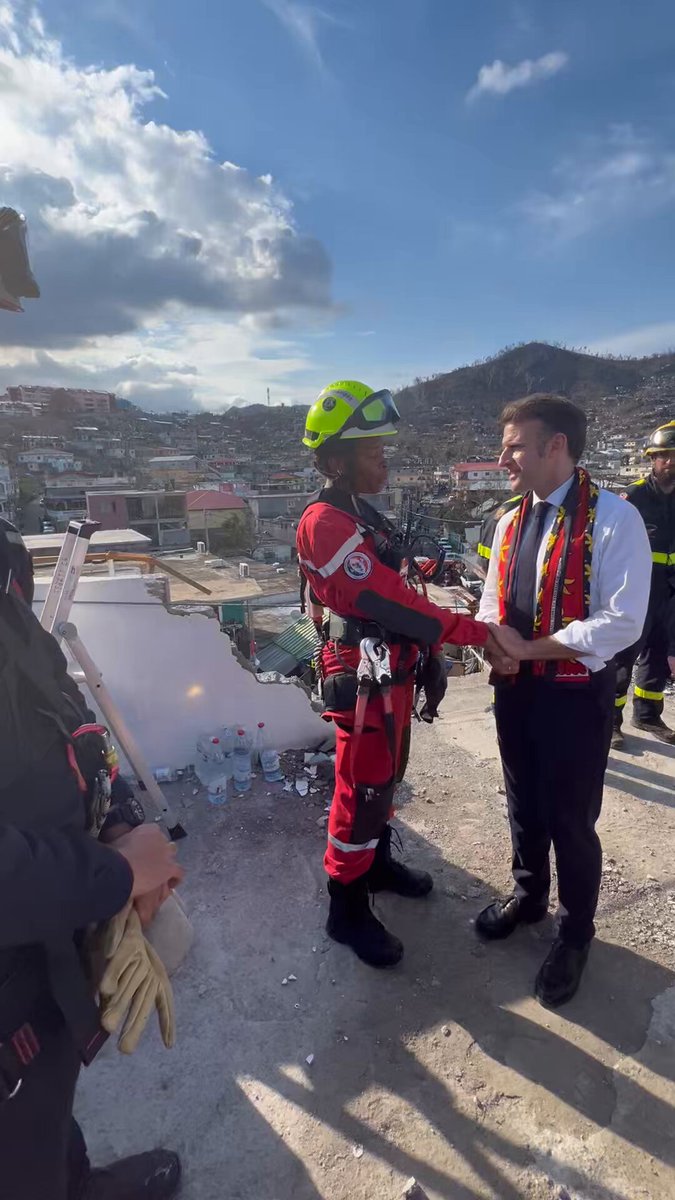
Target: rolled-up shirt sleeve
(620,583)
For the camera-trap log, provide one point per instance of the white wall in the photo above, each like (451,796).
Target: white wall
(174,677)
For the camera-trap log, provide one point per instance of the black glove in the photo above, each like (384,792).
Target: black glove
(434,680)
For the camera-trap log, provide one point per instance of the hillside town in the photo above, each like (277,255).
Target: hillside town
(238,481)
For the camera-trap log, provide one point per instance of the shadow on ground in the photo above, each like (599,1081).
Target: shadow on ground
(257,899)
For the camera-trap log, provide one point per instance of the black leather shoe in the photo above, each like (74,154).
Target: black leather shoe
(387,874)
(501,917)
(560,975)
(151,1176)
(658,728)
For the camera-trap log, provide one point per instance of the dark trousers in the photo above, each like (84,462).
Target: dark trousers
(554,742)
(42,1151)
(651,655)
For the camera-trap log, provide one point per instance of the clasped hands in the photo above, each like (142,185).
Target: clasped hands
(505,649)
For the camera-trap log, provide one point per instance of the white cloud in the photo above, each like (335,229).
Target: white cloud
(498,78)
(137,233)
(647,339)
(624,176)
(303,22)
(188,364)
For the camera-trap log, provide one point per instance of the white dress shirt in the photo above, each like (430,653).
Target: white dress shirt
(621,572)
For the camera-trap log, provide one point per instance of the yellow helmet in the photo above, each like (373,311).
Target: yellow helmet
(662,441)
(349,409)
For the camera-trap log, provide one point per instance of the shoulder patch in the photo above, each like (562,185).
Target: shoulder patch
(358,565)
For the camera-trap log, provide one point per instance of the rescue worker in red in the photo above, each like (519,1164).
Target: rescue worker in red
(357,574)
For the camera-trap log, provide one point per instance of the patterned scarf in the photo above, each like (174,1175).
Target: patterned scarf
(565,587)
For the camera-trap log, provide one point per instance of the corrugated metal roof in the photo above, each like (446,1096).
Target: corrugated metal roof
(298,643)
(272,658)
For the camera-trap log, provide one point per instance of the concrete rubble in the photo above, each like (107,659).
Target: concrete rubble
(444,1075)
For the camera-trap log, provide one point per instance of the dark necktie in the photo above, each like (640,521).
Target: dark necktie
(521,613)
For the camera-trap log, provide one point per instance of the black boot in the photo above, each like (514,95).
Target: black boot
(560,973)
(501,917)
(387,874)
(352,922)
(151,1176)
(658,727)
(618,741)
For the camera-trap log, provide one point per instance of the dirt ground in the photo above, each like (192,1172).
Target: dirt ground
(445,1069)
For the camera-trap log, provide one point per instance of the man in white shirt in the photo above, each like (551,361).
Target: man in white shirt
(569,570)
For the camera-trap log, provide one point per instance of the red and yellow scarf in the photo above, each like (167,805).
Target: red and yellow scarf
(565,587)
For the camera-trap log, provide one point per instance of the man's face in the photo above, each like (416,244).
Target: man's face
(370,466)
(525,454)
(663,470)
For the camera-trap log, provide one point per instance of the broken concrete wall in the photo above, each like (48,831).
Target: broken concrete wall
(175,676)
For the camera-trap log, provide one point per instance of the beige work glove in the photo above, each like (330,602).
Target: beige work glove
(133,982)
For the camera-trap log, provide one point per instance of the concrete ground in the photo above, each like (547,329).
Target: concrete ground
(445,1069)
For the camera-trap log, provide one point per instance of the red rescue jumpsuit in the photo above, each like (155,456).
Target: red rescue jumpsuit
(338,554)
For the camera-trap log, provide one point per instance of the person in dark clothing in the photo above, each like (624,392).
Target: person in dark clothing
(654,498)
(569,572)
(489,527)
(56,879)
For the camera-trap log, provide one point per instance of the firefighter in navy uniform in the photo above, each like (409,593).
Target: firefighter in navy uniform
(654,498)
(489,527)
(55,880)
(357,570)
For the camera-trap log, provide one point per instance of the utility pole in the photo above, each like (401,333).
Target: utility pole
(268,397)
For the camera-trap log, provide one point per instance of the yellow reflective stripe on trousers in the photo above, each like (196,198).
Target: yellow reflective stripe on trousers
(643,695)
(484,551)
(620,701)
(664,560)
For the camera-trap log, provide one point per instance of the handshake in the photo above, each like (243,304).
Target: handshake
(505,649)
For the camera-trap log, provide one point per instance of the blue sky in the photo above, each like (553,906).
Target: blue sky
(447,177)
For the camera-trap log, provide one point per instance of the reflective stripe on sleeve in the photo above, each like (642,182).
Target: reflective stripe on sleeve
(339,557)
(620,701)
(348,849)
(484,551)
(665,560)
(643,695)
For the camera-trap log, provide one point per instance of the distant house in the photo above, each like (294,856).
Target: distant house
(480,477)
(221,519)
(6,489)
(174,468)
(161,516)
(48,458)
(64,400)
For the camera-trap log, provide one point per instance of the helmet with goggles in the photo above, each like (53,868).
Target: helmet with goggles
(349,409)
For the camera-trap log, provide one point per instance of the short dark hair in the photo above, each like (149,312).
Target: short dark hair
(555,413)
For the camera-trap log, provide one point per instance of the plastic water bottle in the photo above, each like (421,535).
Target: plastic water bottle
(227,738)
(210,748)
(242,762)
(211,768)
(258,743)
(269,757)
